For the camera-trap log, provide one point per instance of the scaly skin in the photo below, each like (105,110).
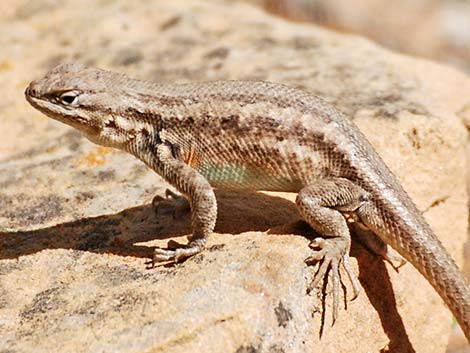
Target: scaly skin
(255,136)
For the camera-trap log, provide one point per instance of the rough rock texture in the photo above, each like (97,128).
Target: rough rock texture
(77,227)
(432,28)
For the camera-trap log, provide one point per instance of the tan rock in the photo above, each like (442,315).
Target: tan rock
(77,225)
(434,29)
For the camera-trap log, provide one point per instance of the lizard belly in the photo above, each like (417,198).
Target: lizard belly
(239,176)
(254,163)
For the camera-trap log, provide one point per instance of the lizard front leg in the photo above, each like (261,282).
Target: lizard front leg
(321,204)
(201,199)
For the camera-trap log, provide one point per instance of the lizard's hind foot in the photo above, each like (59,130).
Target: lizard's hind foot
(332,252)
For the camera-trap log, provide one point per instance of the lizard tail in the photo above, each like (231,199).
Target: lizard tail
(438,267)
(399,223)
(413,239)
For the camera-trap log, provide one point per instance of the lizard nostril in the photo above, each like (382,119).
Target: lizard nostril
(32,90)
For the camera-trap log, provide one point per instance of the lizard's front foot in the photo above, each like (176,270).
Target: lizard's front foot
(332,252)
(176,204)
(179,254)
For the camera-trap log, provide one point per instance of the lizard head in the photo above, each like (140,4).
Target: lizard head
(85,98)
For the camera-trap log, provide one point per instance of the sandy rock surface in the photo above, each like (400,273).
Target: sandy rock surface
(433,29)
(77,226)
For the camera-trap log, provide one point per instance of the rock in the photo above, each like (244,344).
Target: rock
(77,226)
(439,30)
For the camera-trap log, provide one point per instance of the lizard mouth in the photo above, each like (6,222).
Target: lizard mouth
(54,112)
(36,103)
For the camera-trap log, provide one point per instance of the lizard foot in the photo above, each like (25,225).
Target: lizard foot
(332,252)
(394,259)
(373,243)
(172,203)
(179,254)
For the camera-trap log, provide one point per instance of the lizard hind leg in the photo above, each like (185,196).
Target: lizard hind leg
(321,204)
(373,243)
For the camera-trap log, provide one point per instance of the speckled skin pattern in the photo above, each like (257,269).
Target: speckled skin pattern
(256,136)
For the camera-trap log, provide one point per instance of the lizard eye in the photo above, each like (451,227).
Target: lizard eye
(69,98)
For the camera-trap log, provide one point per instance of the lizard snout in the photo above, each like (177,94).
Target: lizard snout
(32,90)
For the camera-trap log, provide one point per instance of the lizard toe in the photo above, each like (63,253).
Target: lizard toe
(163,255)
(394,259)
(179,254)
(317,243)
(352,276)
(172,203)
(333,254)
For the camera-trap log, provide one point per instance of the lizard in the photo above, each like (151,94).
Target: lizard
(255,135)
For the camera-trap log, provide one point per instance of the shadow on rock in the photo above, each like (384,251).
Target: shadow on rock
(375,281)
(117,233)
(238,212)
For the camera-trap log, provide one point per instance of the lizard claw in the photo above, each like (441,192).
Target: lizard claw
(177,204)
(394,259)
(179,254)
(332,252)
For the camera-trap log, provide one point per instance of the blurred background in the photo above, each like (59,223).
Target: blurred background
(435,29)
